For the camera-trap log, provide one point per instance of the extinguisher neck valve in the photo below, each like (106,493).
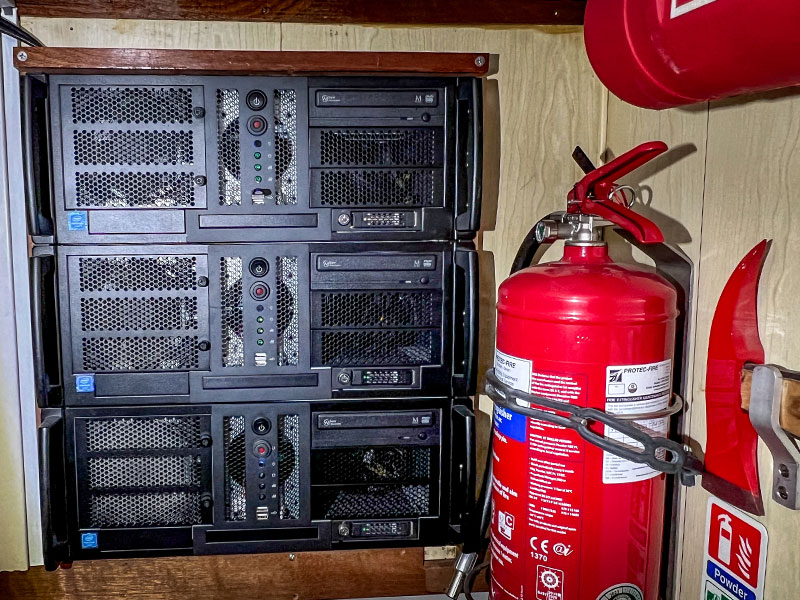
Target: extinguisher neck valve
(574,228)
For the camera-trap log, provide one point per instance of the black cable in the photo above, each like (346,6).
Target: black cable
(18,33)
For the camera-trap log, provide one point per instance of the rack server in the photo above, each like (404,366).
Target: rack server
(255,306)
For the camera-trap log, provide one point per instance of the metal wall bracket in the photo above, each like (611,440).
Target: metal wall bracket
(765,410)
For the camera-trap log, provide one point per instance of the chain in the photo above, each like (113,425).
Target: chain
(659,453)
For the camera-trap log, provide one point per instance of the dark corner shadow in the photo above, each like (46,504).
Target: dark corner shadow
(674,231)
(490,188)
(486,342)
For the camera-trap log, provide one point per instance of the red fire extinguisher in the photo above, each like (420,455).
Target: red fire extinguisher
(664,53)
(582,385)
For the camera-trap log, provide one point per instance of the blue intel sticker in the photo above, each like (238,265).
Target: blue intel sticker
(77,221)
(84,382)
(89,540)
(510,424)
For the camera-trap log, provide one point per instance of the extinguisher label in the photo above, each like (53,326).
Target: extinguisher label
(681,7)
(514,372)
(635,389)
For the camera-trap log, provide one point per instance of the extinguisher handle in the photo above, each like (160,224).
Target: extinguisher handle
(594,194)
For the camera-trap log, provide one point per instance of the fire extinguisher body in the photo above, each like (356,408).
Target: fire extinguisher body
(570,522)
(665,53)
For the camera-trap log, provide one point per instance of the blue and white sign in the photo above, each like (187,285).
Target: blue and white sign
(735,554)
(89,540)
(84,382)
(77,220)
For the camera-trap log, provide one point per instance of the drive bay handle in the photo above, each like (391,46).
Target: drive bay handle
(463,453)
(465,321)
(51,482)
(469,156)
(39,372)
(36,219)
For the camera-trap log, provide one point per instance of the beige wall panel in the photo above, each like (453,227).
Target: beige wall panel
(752,179)
(133,33)
(669,189)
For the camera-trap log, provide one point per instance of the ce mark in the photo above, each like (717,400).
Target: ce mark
(542,546)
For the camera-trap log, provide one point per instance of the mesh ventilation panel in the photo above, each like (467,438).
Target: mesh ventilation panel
(151,509)
(235,455)
(406,464)
(129,104)
(230,185)
(133,147)
(378,187)
(135,273)
(288,314)
(143,471)
(142,433)
(375,147)
(371,502)
(376,347)
(161,353)
(285,132)
(232,311)
(126,314)
(377,309)
(289,466)
(134,190)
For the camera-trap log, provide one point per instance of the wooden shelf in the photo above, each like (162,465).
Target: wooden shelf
(408,12)
(104,61)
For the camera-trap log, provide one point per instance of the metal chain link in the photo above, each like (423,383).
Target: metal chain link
(659,453)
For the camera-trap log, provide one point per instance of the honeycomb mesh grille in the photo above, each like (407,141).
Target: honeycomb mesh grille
(371,501)
(415,147)
(289,466)
(131,104)
(232,311)
(141,433)
(147,509)
(162,353)
(288,317)
(378,309)
(133,147)
(285,132)
(230,183)
(126,314)
(133,273)
(144,471)
(404,464)
(134,190)
(377,187)
(375,347)
(234,452)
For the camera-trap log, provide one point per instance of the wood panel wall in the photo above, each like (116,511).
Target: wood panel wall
(738,187)
(728,181)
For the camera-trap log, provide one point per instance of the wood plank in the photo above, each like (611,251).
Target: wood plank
(136,33)
(790,400)
(168,61)
(410,12)
(752,177)
(304,575)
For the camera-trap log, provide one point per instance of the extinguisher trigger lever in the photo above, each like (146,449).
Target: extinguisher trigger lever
(598,194)
(659,453)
